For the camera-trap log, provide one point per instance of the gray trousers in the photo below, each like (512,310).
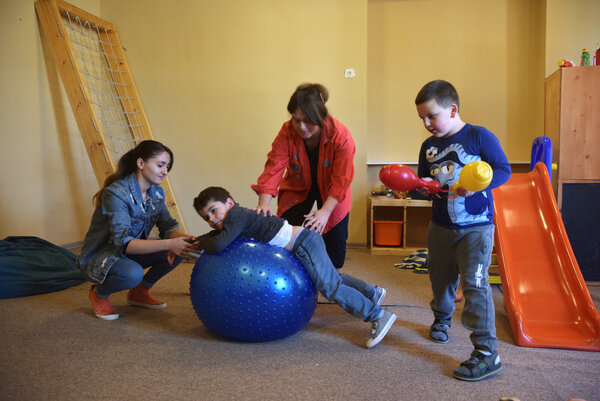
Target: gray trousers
(465,253)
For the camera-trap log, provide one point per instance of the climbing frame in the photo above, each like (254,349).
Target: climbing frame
(98,82)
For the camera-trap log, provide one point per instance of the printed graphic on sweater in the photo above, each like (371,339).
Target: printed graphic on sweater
(446,165)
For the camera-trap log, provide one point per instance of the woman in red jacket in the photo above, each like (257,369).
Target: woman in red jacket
(316,152)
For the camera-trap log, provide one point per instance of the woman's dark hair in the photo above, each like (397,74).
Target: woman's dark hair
(310,99)
(441,91)
(216,194)
(145,150)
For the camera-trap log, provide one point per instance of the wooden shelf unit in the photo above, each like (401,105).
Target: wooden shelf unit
(572,122)
(414,215)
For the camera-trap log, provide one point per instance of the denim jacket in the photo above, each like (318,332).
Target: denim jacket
(122,217)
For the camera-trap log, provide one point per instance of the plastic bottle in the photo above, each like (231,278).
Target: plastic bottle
(597,56)
(585,57)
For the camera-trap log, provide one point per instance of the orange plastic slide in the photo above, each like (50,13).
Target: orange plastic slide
(546,298)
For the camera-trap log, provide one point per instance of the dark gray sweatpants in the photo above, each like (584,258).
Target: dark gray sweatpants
(465,252)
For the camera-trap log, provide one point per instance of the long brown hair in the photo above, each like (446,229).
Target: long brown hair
(128,163)
(310,99)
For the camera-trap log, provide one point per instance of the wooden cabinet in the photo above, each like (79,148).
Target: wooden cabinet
(413,217)
(572,122)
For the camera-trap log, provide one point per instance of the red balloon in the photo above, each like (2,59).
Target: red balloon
(399,177)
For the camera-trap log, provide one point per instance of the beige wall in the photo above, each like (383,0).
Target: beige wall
(47,179)
(491,51)
(570,27)
(215,77)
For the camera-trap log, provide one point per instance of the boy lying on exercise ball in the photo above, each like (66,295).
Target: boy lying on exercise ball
(229,221)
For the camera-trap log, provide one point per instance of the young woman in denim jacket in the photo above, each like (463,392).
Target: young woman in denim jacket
(116,249)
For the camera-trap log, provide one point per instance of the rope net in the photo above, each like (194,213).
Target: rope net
(112,99)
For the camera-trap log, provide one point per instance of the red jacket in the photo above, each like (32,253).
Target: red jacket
(335,171)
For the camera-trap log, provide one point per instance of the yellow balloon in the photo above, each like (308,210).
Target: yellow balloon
(475,176)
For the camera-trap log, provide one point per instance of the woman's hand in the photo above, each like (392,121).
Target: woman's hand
(264,205)
(266,211)
(180,246)
(317,220)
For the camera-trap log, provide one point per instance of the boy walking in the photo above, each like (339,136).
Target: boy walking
(461,232)
(229,221)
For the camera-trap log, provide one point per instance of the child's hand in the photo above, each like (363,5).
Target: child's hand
(198,251)
(171,257)
(424,190)
(460,191)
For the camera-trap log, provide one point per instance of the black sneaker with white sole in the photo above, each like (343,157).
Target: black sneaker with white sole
(478,367)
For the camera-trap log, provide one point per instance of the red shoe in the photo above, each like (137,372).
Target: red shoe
(102,306)
(140,296)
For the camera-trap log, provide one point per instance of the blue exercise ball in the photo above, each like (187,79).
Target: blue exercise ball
(252,291)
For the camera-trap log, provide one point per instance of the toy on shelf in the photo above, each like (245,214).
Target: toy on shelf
(564,63)
(585,57)
(386,192)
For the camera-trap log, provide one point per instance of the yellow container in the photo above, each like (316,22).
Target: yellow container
(387,233)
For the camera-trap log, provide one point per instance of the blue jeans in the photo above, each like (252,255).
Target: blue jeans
(352,294)
(465,253)
(128,272)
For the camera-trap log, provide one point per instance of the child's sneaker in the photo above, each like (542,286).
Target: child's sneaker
(379,295)
(140,296)
(478,367)
(380,328)
(102,306)
(439,331)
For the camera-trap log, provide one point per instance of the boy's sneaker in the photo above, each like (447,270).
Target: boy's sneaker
(380,328)
(439,331)
(140,296)
(102,306)
(478,367)
(379,295)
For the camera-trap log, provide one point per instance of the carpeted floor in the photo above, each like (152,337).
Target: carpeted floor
(54,348)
